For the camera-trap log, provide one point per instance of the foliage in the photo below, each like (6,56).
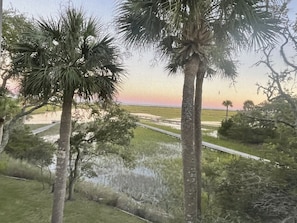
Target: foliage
(258,192)
(248,105)
(8,107)
(13,25)
(255,126)
(11,109)
(24,145)
(109,131)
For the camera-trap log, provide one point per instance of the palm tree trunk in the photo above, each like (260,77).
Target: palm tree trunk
(198,137)
(1,132)
(1,16)
(62,160)
(6,129)
(187,136)
(1,11)
(74,175)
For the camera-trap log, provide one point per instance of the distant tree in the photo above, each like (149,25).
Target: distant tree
(108,132)
(60,59)
(248,105)
(227,104)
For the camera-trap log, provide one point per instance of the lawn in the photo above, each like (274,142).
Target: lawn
(25,201)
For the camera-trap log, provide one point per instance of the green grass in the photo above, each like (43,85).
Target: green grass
(46,108)
(164,112)
(255,150)
(25,201)
(35,126)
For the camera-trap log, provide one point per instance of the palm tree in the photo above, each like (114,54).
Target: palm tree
(227,104)
(191,33)
(62,59)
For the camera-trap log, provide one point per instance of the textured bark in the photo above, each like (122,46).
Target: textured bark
(1,132)
(74,173)
(1,15)
(187,136)
(62,160)
(198,137)
(6,129)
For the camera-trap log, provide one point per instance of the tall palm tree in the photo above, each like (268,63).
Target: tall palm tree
(227,104)
(62,59)
(191,33)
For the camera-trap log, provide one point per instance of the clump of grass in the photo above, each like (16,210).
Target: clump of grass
(98,193)
(22,169)
(104,195)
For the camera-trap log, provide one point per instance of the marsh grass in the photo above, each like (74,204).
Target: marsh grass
(175,112)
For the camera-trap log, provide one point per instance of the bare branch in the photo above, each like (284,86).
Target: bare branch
(282,51)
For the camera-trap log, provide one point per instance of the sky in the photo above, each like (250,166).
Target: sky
(147,82)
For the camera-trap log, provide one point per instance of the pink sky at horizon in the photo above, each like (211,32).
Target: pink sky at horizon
(147,82)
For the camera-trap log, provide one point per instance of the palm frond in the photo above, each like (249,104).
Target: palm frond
(67,56)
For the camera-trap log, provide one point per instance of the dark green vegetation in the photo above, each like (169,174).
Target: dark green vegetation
(25,201)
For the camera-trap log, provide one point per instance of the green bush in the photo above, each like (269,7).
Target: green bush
(245,129)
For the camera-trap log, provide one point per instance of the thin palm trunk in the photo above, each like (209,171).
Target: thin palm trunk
(187,136)
(1,131)
(227,111)
(1,16)
(62,160)
(74,175)
(198,137)
(1,122)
